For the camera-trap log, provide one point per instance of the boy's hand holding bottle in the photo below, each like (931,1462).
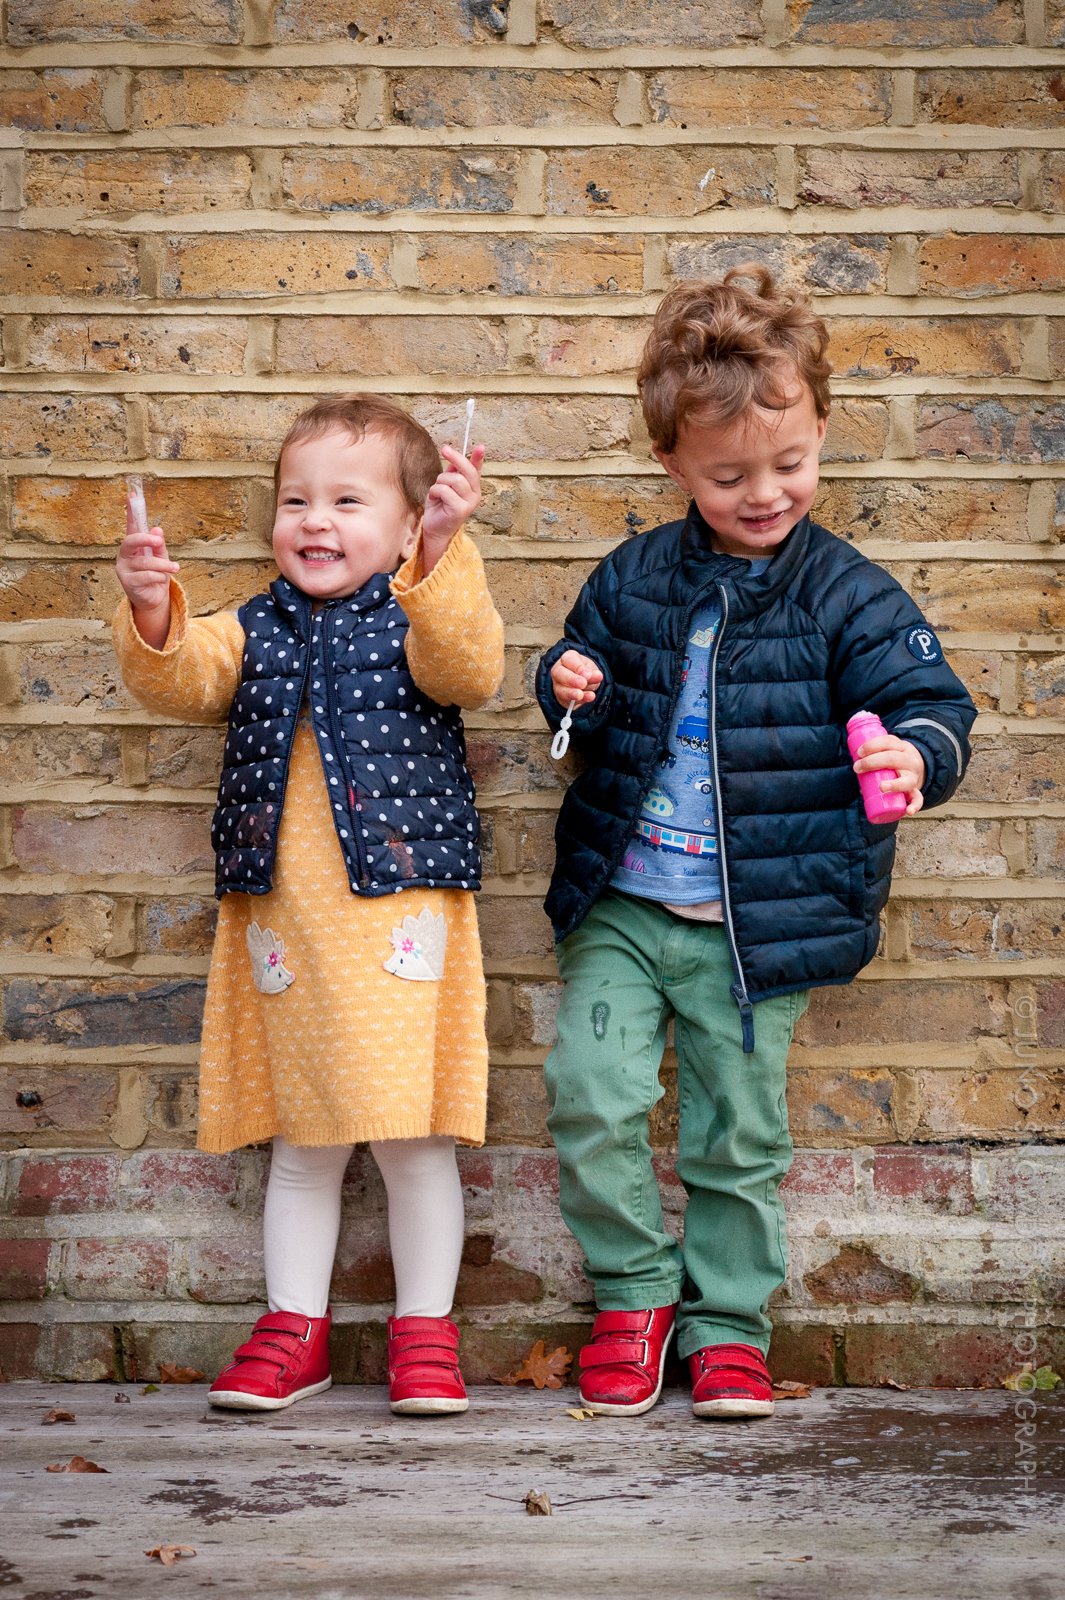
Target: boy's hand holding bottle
(450,503)
(902,759)
(144,570)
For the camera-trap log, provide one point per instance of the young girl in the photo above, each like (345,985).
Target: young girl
(346,996)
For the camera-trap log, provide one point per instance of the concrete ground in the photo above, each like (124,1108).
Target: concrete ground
(850,1494)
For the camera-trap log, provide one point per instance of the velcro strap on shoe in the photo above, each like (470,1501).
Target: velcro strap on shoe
(614,1322)
(608,1352)
(738,1361)
(276,1355)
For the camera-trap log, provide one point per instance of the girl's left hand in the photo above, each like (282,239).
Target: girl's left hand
(451,501)
(887,750)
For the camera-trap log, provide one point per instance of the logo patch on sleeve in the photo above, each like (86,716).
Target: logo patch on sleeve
(922,643)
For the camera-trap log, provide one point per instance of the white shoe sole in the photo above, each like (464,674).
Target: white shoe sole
(733,1408)
(605,1408)
(427,1407)
(235,1400)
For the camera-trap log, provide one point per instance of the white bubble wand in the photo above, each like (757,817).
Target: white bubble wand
(469,419)
(138,509)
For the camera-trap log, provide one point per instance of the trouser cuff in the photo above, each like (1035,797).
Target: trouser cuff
(692,1336)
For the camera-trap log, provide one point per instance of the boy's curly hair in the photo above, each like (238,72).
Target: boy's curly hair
(415,456)
(717,349)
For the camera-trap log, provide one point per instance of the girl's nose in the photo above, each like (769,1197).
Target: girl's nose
(315,518)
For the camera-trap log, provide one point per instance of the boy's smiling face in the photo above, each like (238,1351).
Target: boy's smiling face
(341,516)
(753,478)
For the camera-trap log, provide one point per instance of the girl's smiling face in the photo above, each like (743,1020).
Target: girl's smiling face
(341,516)
(753,478)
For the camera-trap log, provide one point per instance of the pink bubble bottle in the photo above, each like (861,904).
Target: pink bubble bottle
(879,807)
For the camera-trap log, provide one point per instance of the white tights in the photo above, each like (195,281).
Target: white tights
(301,1223)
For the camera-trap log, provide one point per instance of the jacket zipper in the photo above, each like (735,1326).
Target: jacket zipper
(328,639)
(738,990)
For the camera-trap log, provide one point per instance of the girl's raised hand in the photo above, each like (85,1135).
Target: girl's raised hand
(144,570)
(451,501)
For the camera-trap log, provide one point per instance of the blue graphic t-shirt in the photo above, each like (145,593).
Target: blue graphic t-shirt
(672,854)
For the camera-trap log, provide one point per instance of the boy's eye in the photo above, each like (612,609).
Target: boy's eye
(792,466)
(726,483)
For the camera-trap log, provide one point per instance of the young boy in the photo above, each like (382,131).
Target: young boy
(714,858)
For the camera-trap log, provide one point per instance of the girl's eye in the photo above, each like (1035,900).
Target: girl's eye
(347,500)
(292,500)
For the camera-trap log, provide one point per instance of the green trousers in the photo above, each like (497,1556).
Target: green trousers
(629,968)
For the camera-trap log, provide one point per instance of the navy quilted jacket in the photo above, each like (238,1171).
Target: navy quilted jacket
(394,760)
(821,634)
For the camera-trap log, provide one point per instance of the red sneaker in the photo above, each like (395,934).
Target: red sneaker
(621,1366)
(423,1366)
(285,1360)
(730,1380)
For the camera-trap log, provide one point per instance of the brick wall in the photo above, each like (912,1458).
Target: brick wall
(216,208)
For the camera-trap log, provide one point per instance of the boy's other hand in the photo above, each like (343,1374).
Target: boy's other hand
(451,501)
(575,679)
(144,570)
(888,751)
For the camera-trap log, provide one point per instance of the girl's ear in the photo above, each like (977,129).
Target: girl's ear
(410,538)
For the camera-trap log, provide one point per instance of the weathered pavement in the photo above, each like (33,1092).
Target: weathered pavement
(850,1494)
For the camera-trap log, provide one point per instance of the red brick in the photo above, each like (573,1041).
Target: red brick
(116,1269)
(56,1185)
(934,1177)
(1023,1184)
(20,1344)
(24,1269)
(977,265)
(50,264)
(857,1276)
(803,1353)
(818,1178)
(920,1354)
(31,22)
(487,1278)
(185,1180)
(225,1271)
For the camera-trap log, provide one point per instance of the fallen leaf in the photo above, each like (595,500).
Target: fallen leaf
(1029,1378)
(59,1416)
(580,1413)
(169,1373)
(76,1464)
(537,1505)
(892,1383)
(169,1553)
(150,1388)
(544,1369)
(123,1400)
(788,1389)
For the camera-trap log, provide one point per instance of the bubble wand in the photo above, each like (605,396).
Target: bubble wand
(135,488)
(469,419)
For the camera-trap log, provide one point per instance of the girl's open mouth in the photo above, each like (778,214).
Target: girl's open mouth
(320,555)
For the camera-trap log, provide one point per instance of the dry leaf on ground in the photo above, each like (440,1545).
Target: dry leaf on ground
(537,1505)
(169,1373)
(545,1369)
(789,1389)
(892,1383)
(169,1553)
(580,1413)
(76,1464)
(59,1416)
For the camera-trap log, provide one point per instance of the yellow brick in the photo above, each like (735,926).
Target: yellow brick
(831,264)
(374,180)
(998,98)
(136,344)
(901,508)
(580,347)
(195,21)
(437,97)
(585,264)
(606,508)
(682,182)
(959,22)
(871,347)
(79,427)
(974,265)
(531,427)
(101,181)
(247,264)
(855,178)
(210,97)
(58,99)
(857,431)
(92,510)
(974,596)
(384,346)
(777,98)
(405,23)
(53,263)
(611,23)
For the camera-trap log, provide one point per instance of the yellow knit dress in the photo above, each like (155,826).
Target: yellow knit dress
(347,1051)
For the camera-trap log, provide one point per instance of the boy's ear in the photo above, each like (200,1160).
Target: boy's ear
(669,461)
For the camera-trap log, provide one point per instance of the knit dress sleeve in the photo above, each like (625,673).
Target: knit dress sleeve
(196,673)
(455,640)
